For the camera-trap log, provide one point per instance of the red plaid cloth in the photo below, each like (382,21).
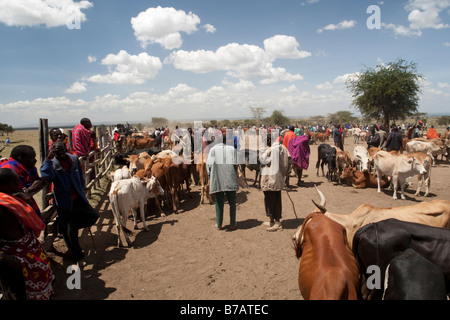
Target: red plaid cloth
(26,178)
(299,150)
(81,140)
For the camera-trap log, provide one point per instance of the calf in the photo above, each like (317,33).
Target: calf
(328,269)
(126,195)
(253,163)
(361,157)
(409,276)
(378,243)
(399,167)
(343,161)
(364,179)
(326,155)
(200,168)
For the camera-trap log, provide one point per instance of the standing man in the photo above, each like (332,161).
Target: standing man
(221,166)
(81,138)
(394,140)
(274,168)
(23,161)
(337,137)
(74,210)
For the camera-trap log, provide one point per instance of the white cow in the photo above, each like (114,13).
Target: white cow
(361,157)
(399,167)
(121,173)
(429,148)
(131,194)
(355,133)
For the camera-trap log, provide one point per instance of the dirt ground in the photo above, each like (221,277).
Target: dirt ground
(183,256)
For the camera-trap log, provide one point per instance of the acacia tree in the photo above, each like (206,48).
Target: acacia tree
(278,118)
(388,92)
(257,113)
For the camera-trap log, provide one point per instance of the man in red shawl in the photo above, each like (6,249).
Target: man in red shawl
(23,160)
(25,272)
(81,138)
(299,150)
(432,133)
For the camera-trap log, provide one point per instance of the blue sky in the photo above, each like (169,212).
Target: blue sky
(116,61)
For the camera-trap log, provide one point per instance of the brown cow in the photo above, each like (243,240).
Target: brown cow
(140,143)
(362,179)
(155,191)
(200,168)
(172,171)
(137,161)
(328,269)
(343,161)
(434,213)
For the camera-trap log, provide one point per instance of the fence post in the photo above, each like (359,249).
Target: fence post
(43,151)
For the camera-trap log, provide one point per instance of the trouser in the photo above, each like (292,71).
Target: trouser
(272,204)
(219,199)
(69,222)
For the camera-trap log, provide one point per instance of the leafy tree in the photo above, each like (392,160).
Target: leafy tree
(278,118)
(387,92)
(5,128)
(444,120)
(342,117)
(157,122)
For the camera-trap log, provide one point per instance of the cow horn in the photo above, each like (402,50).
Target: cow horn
(320,207)
(322,197)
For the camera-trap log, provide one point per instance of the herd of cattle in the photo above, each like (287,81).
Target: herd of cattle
(408,245)
(377,253)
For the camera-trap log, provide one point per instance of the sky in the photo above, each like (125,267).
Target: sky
(190,60)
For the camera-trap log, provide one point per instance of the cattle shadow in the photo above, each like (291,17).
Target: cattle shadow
(408,193)
(144,238)
(292,224)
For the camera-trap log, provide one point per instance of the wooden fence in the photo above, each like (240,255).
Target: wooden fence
(97,163)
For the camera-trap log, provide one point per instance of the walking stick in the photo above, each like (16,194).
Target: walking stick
(92,238)
(292,202)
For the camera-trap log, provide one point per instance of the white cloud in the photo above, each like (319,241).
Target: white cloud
(423,14)
(209,28)
(443,85)
(242,61)
(92,59)
(77,87)
(400,30)
(446,44)
(324,86)
(163,26)
(129,69)
(50,13)
(345,24)
(284,47)
(291,89)
(343,78)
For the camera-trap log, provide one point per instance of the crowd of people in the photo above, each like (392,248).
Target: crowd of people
(25,271)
